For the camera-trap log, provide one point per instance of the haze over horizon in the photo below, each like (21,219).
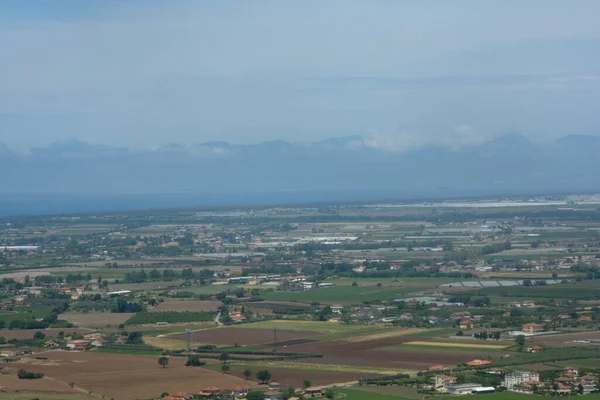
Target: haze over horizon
(402,75)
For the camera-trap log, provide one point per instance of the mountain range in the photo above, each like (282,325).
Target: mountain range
(509,164)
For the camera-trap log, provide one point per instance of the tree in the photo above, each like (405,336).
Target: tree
(163,362)
(225,368)
(306,384)
(71,385)
(255,395)
(378,284)
(194,361)
(354,284)
(263,376)
(527,282)
(223,357)
(39,335)
(520,341)
(329,393)
(247,374)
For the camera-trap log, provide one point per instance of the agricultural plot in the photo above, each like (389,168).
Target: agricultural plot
(343,294)
(295,375)
(188,305)
(376,353)
(128,376)
(568,340)
(96,320)
(21,334)
(455,345)
(243,337)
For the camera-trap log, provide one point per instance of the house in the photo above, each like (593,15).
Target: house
(99,342)
(335,319)
(240,391)
(466,323)
(78,344)
(529,303)
(441,382)
(584,318)
(181,396)
(515,378)
(272,395)
(478,363)
(275,385)
(532,328)
(406,316)
(571,371)
(210,391)
(7,353)
(563,316)
(336,308)
(313,392)
(50,344)
(561,388)
(586,387)
(534,349)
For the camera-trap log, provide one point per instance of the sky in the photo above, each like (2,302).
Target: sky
(400,73)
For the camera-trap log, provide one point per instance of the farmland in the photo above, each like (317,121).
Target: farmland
(243,337)
(95,320)
(330,295)
(128,376)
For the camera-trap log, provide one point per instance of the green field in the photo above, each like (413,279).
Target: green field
(317,326)
(343,294)
(26,313)
(365,394)
(580,290)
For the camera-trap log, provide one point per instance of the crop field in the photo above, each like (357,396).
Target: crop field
(45,385)
(566,340)
(24,314)
(243,337)
(317,326)
(294,375)
(455,345)
(344,294)
(21,334)
(376,353)
(24,395)
(96,320)
(188,305)
(127,376)
(375,393)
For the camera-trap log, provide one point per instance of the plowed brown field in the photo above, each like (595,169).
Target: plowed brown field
(128,376)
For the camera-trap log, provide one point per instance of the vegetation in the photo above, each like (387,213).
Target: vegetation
(170,317)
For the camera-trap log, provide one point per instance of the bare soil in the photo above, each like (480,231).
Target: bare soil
(129,376)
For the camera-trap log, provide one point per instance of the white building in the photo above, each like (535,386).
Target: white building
(515,378)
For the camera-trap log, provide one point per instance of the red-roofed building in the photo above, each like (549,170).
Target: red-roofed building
(532,328)
(478,363)
(210,391)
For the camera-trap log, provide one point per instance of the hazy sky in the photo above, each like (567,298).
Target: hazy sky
(146,73)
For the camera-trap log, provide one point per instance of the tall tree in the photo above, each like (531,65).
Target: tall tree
(163,362)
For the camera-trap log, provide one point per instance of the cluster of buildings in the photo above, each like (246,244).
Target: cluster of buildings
(518,381)
(273,393)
